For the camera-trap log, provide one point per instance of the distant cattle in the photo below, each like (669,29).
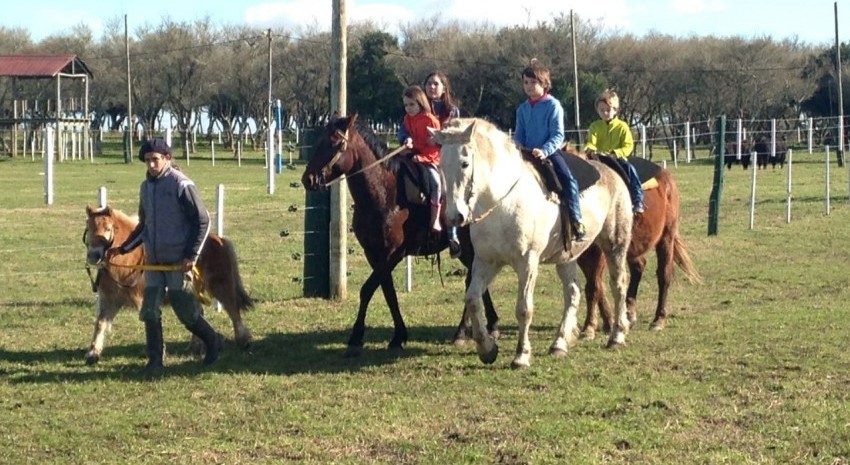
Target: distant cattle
(763,153)
(732,154)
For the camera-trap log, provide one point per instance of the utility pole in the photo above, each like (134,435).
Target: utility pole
(270,135)
(575,79)
(339,192)
(128,157)
(840,93)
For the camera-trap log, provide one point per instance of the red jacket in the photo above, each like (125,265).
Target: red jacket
(417,126)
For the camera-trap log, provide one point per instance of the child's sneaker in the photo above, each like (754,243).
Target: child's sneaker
(454,248)
(579,231)
(639,208)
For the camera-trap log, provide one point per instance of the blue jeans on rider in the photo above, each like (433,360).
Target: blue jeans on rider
(634,184)
(569,192)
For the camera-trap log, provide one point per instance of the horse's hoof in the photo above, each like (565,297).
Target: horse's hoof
(517,364)
(657,325)
(460,341)
(395,348)
(195,347)
(557,352)
(245,343)
(614,345)
(353,351)
(490,356)
(588,334)
(91,358)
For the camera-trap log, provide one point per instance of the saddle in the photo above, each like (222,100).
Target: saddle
(413,185)
(584,173)
(646,170)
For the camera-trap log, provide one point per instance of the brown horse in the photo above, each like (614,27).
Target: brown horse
(120,283)
(657,227)
(388,228)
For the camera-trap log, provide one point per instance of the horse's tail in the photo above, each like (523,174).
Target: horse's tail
(680,252)
(683,260)
(243,300)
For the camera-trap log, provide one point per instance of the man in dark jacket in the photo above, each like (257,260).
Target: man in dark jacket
(173,226)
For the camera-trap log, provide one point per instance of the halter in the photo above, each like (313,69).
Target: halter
(95,280)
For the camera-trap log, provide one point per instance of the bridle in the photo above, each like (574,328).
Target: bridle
(340,149)
(469,194)
(100,265)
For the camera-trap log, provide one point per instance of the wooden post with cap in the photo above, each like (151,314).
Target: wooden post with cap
(339,192)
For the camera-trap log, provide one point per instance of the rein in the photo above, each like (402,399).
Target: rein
(367,167)
(96,279)
(481,217)
(198,286)
(148,267)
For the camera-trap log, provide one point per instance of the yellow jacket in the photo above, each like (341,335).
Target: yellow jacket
(611,137)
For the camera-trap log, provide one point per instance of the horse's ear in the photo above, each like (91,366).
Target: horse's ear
(467,133)
(436,134)
(88,210)
(352,120)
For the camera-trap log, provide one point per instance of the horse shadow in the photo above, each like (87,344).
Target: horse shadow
(281,354)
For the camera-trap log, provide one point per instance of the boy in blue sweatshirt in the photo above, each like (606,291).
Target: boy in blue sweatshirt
(540,130)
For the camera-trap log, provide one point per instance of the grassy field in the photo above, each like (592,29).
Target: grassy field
(753,366)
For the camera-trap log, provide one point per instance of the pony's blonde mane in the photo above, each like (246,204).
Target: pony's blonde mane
(124,223)
(119,215)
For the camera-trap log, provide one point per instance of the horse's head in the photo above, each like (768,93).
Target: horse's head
(328,161)
(99,234)
(572,149)
(457,161)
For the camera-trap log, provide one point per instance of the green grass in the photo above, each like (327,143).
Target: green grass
(753,366)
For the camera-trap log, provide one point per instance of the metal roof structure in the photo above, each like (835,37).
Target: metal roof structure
(56,67)
(42,66)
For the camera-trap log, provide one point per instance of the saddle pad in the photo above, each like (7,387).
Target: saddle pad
(412,185)
(586,175)
(646,169)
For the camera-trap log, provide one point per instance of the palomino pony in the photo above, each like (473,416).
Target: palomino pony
(120,283)
(387,228)
(513,222)
(658,228)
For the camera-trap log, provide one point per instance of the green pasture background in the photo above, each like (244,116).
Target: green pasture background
(753,367)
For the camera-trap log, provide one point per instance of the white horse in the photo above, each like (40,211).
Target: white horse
(515,221)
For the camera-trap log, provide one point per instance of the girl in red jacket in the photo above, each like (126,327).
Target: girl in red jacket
(417,120)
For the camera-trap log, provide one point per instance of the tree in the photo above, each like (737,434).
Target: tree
(374,91)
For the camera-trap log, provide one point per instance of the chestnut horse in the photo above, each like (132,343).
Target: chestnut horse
(658,228)
(120,283)
(388,228)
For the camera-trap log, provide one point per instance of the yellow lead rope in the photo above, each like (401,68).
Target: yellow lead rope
(197,282)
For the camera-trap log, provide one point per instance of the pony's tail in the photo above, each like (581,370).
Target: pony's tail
(683,260)
(243,300)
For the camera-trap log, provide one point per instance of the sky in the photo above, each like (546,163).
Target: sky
(809,21)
